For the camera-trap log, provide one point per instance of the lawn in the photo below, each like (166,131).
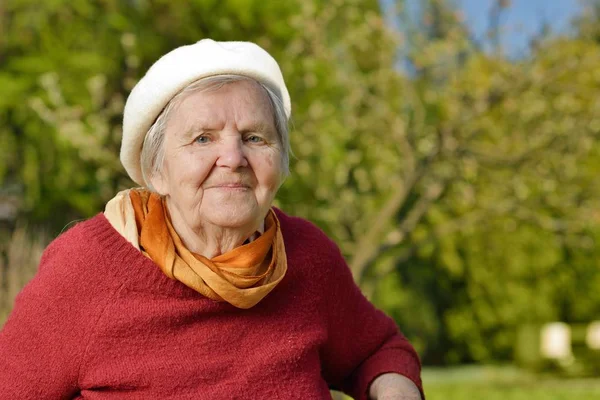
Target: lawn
(507,383)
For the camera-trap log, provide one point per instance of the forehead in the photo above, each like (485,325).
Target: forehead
(243,100)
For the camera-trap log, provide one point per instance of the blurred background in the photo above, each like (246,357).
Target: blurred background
(449,147)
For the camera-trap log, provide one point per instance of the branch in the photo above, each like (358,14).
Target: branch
(518,160)
(367,247)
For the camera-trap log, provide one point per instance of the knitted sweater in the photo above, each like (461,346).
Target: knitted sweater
(101,321)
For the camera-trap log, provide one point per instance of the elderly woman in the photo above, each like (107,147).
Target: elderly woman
(194,286)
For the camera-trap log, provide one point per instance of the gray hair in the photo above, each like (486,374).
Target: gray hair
(152,156)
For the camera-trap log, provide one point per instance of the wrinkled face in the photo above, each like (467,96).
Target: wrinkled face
(222,158)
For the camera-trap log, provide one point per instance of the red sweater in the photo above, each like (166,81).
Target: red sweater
(101,321)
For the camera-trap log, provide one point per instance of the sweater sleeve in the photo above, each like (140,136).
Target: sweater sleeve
(44,338)
(362,342)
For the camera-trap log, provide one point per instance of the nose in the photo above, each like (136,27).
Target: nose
(231,153)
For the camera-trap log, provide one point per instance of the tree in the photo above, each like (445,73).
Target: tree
(512,171)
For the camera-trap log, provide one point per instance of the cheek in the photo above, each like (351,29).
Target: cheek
(270,163)
(194,168)
(269,171)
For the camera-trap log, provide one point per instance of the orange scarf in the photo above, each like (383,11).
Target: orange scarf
(241,277)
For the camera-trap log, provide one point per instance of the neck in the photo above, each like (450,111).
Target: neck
(210,240)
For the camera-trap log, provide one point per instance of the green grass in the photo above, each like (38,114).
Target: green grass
(506,383)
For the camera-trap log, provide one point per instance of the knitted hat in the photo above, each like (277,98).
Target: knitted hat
(181,67)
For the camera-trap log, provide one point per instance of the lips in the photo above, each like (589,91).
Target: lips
(229,185)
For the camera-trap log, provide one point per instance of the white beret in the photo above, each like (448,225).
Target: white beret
(181,67)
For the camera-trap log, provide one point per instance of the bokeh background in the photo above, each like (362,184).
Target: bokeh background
(449,147)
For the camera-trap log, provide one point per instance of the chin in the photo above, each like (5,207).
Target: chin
(234,218)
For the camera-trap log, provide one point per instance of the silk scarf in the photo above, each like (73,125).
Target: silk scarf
(241,277)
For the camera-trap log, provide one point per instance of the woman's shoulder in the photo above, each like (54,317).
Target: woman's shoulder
(73,274)
(303,236)
(77,236)
(83,240)
(93,250)
(302,229)
(88,249)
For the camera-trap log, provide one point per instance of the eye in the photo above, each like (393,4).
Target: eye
(254,139)
(202,139)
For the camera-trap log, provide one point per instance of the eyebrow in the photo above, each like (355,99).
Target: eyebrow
(258,126)
(194,129)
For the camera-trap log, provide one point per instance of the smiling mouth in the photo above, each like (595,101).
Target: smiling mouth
(231,186)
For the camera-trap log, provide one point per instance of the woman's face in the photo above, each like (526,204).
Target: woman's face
(222,158)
